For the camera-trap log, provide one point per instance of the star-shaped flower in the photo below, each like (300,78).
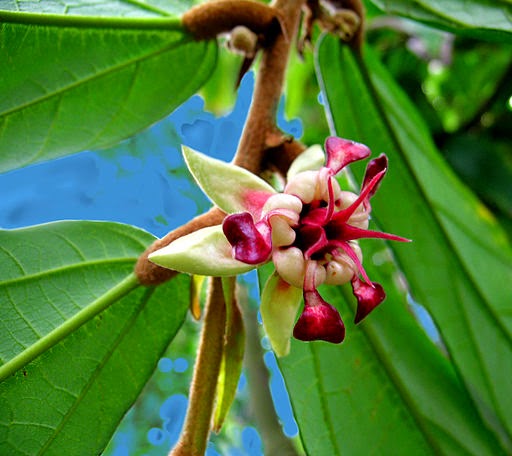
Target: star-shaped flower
(309,231)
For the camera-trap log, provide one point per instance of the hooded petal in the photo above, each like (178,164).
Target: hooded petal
(280,303)
(230,187)
(368,297)
(374,168)
(341,152)
(249,244)
(204,252)
(319,320)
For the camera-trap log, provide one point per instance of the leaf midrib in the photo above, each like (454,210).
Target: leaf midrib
(99,368)
(68,267)
(436,217)
(380,104)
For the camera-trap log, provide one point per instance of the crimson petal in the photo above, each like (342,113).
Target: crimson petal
(249,245)
(319,321)
(341,152)
(375,167)
(368,297)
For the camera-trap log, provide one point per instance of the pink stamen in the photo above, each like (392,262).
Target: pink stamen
(309,276)
(315,237)
(330,203)
(346,213)
(349,232)
(352,255)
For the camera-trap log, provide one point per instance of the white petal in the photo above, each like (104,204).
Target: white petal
(282,232)
(290,265)
(339,273)
(303,186)
(204,252)
(283,201)
(230,187)
(280,303)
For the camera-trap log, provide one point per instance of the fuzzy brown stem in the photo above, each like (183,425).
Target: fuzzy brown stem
(260,132)
(194,437)
(210,19)
(260,126)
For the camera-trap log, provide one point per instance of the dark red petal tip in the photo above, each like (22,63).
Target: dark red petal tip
(248,243)
(319,321)
(341,152)
(368,297)
(374,168)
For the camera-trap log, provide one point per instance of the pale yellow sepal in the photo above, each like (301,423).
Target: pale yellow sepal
(230,187)
(280,303)
(196,285)
(203,252)
(312,159)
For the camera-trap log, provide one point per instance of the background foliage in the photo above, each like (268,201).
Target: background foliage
(79,338)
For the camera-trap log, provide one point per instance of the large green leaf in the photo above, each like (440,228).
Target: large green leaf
(132,8)
(486,19)
(386,390)
(97,80)
(460,264)
(70,370)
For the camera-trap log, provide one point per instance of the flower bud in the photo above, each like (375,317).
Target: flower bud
(243,41)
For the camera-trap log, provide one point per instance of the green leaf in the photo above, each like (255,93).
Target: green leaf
(460,263)
(70,398)
(51,272)
(111,8)
(484,19)
(98,80)
(386,390)
(459,99)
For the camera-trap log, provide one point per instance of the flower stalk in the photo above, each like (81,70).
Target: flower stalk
(194,436)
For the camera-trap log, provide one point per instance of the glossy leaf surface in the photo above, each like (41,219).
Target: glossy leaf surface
(459,265)
(70,399)
(102,79)
(485,19)
(111,8)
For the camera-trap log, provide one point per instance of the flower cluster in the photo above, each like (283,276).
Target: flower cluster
(309,231)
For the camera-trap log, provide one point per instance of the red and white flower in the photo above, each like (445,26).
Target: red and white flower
(309,231)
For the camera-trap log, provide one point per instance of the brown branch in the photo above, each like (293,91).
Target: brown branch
(260,126)
(194,437)
(258,141)
(210,19)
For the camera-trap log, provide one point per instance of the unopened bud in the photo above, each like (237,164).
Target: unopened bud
(243,41)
